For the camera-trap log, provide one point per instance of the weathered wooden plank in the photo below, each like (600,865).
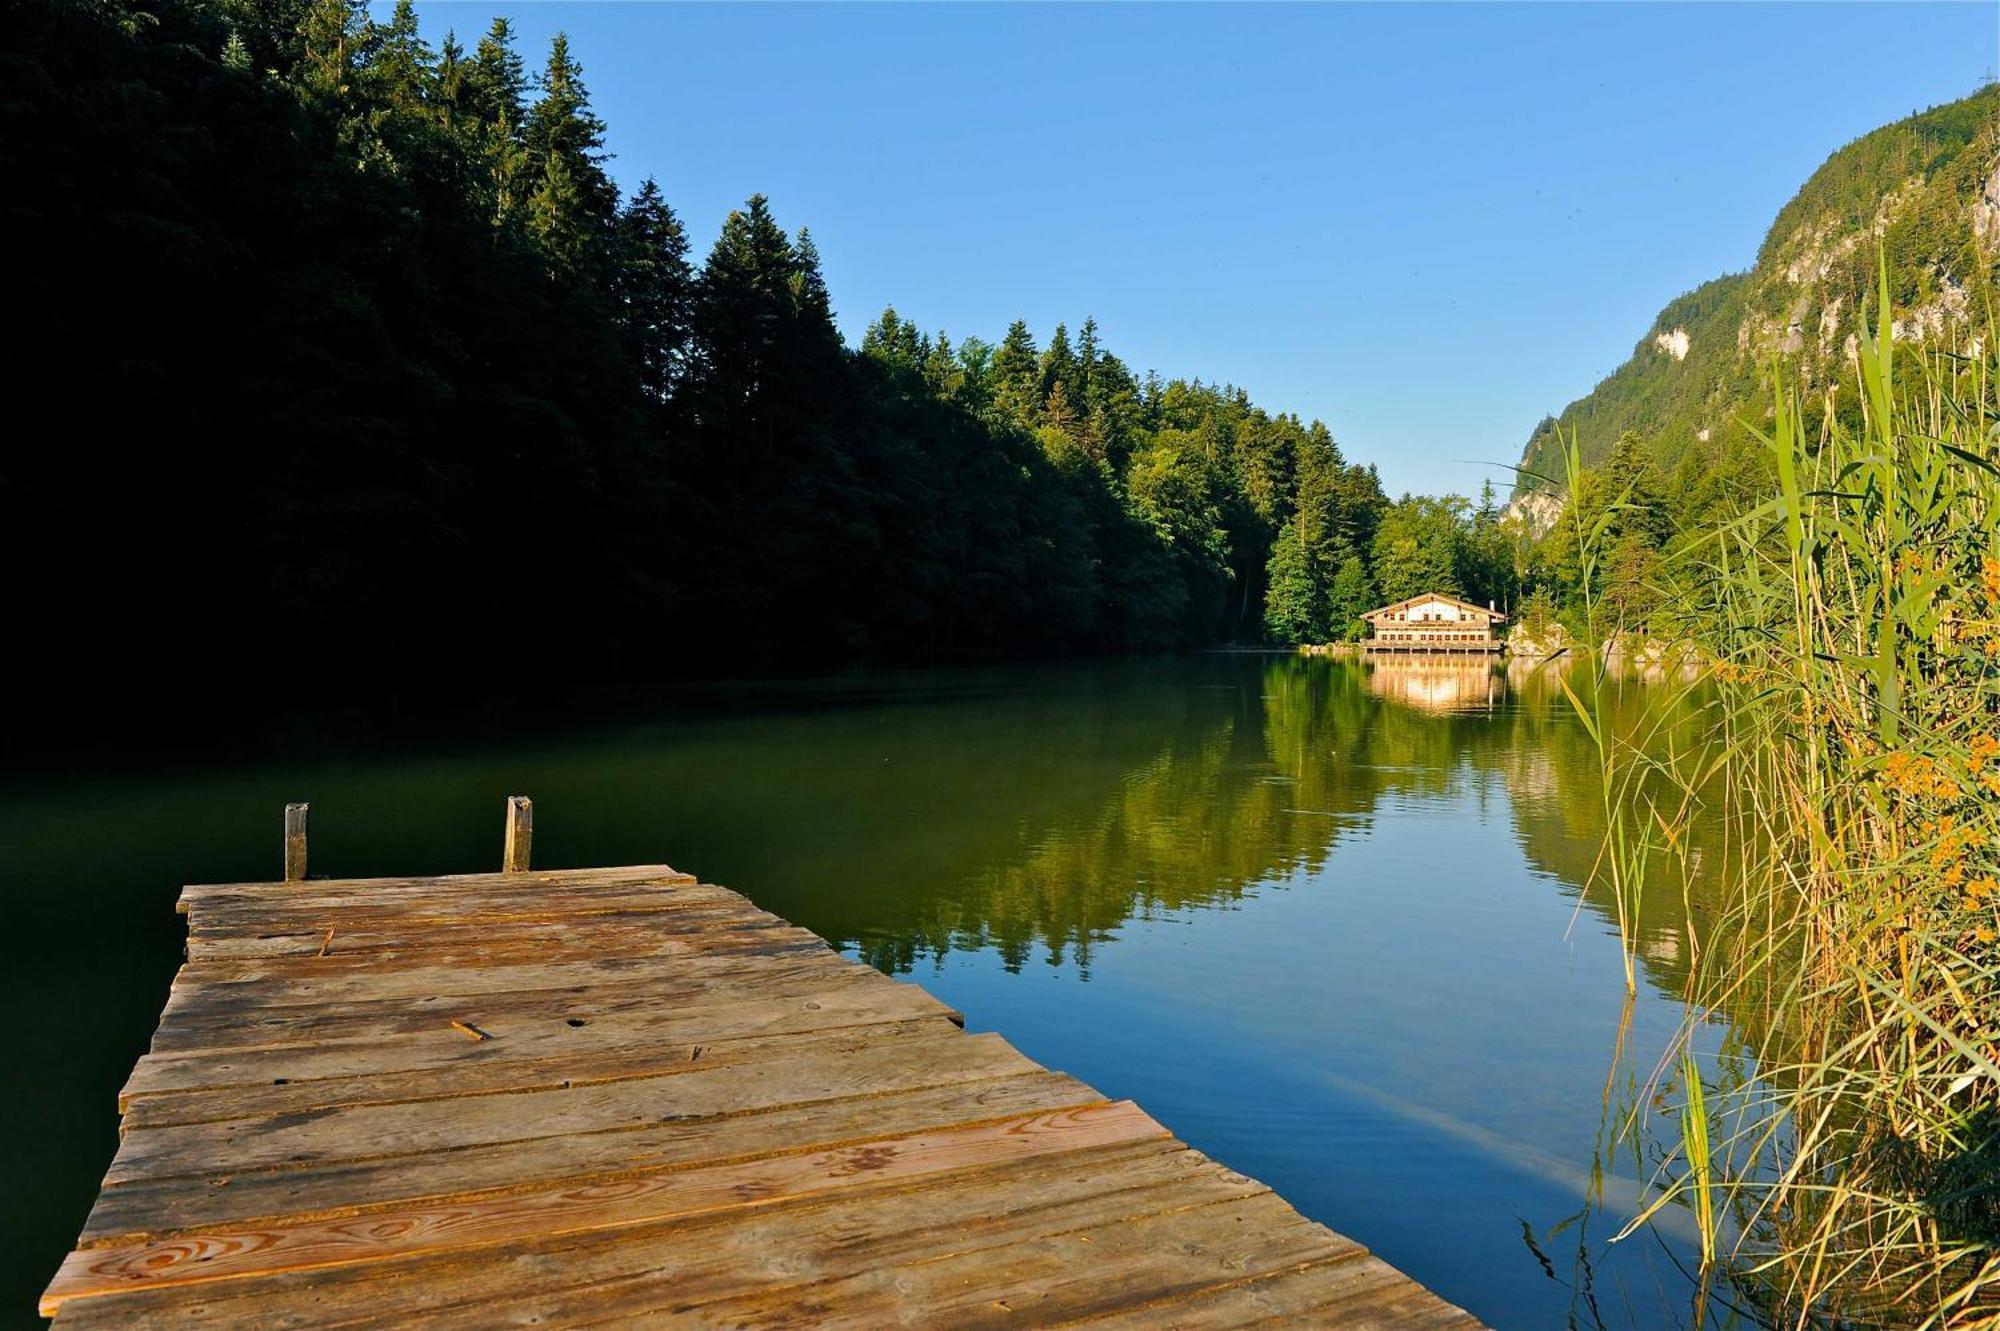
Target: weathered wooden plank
(552,944)
(267,915)
(277,981)
(1352,1290)
(565,1027)
(807,1238)
(791,1265)
(445,884)
(248,900)
(549,1074)
(199,1019)
(360,933)
(149,1208)
(1139,1262)
(388,1130)
(230,1254)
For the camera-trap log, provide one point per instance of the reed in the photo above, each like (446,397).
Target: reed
(1852,630)
(1627,844)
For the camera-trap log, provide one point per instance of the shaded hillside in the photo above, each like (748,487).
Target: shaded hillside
(1927,186)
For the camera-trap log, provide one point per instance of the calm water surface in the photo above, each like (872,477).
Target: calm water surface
(1323,919)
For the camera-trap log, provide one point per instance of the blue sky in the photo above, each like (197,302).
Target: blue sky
(1426,225)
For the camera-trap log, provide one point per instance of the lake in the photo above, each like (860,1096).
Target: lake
(1325,918)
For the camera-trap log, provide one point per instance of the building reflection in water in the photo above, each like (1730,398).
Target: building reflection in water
(1438,684)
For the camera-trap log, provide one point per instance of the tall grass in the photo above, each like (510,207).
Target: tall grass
(1852,625)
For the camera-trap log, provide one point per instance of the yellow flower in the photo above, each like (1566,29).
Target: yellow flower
(1913,775)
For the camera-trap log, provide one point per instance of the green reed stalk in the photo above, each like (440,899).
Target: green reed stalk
(1623,852)
(1852,625)
(1700,1165)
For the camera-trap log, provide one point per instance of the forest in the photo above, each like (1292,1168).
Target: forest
(342,336)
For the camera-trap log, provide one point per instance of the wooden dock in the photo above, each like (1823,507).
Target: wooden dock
(623,1097)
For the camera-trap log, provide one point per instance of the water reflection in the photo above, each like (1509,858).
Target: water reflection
(1329,918)
(1374,790)
(1437,684)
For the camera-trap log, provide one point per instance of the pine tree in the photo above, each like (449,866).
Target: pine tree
(1057,415)
(451,69)
(1352,595)
(1486,555)
(572,203)
(653,290)
(401,67)
(746,303)
(333,41)
(558,211)
(943,370)
(1294,609)
(809,286)
(495,84)
(1058,366)
(1015,375)
(1084,390)
(883,339)
(895,341)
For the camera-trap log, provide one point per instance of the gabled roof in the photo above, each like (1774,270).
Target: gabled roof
(1407,601)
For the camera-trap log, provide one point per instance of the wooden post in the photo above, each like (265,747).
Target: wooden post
(520,834)
(295,842)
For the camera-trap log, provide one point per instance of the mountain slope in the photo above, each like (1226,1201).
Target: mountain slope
(1927,186)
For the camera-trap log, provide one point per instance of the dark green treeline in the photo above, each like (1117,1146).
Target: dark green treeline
(335,339)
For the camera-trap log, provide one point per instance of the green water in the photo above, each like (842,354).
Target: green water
(1322,918)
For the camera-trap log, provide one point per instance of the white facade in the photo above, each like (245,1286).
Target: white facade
(1434,622)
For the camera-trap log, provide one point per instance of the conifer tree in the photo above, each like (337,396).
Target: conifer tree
(746,303)
(451,69)
(880,338)
(942,369)
(1294,600)
(495,85)
(1057,414)
(1352,595)
(895,341)
(401,66)
(1084,389)
(653,290)
(809,285)
(572,202)
(333,42)
(1058,366)
(1015,375)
